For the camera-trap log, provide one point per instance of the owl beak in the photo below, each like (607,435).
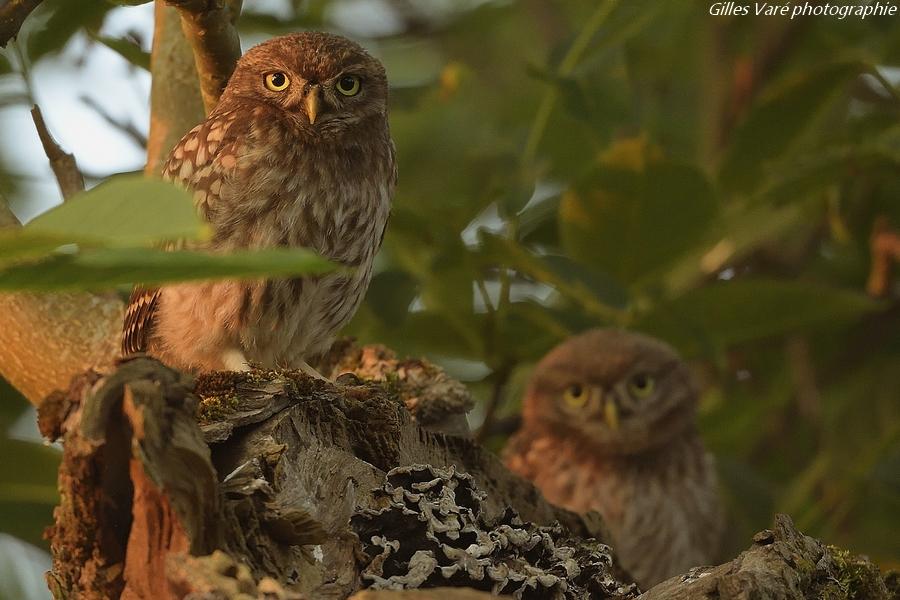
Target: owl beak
(312,104)
(611,414)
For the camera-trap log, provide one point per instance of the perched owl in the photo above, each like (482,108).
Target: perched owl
(609,425)
(296,153)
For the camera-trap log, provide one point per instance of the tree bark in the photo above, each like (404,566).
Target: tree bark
(272,484)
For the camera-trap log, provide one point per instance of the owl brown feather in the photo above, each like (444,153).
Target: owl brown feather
(609,426)
(300,164)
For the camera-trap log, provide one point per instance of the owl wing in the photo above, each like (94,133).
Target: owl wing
(203,161)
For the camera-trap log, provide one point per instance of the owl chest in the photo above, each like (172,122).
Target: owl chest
(305,201)
(668,510)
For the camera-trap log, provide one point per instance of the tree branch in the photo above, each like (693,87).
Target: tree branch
(209,27)
(175,103)
(63,164)
(12,14)
(290,483)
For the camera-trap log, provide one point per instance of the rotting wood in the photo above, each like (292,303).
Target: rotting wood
(256,498)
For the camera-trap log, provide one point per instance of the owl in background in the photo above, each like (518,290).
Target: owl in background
(608,424)
(297,153)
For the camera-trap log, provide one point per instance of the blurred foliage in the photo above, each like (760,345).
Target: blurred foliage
(712,181)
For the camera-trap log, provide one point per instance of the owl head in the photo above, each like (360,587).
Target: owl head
(322,83)
(615,391)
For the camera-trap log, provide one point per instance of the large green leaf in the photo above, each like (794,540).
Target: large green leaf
(129,210)
(16,244)
(104,268)
(630,222)
(730,312)
(777,122)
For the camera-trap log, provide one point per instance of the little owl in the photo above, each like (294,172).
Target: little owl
(296,153)
(609,425)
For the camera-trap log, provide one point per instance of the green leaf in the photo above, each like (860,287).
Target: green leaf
(630,222)
(16,244)
(390,294)
(737,234)
(723,314)
(128,210)
(590,292)
(777,122)
(31,477)
(59,20)
(105,268)
(127,49)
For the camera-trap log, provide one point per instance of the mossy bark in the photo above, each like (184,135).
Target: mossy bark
(246,486)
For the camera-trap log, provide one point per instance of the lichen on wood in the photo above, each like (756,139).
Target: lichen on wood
(298,488)
(431,530)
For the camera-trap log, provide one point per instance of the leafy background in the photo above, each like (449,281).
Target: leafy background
(712,181)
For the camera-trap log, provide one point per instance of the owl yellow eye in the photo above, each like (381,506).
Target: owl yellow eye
(575,396)
(641,385)
(277,82)
(348,85)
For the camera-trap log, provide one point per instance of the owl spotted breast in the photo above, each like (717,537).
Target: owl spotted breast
(297,153)
(609,425)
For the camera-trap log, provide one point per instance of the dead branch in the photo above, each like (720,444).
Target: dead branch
(782,563)
(291,488)
(12,14)
(209,27)
(295,459)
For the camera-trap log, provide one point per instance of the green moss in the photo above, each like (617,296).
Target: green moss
(218,394)
(215,408)
(855,578)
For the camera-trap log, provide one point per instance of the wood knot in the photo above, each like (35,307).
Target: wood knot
(764,537)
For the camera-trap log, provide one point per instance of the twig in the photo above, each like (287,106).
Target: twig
(751,74)
(501,379)
(887,85)
(803,374)
(885,248)
(12,14)
(485,296)
(209,27)
(63,164)
(566,68)
(127,128)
